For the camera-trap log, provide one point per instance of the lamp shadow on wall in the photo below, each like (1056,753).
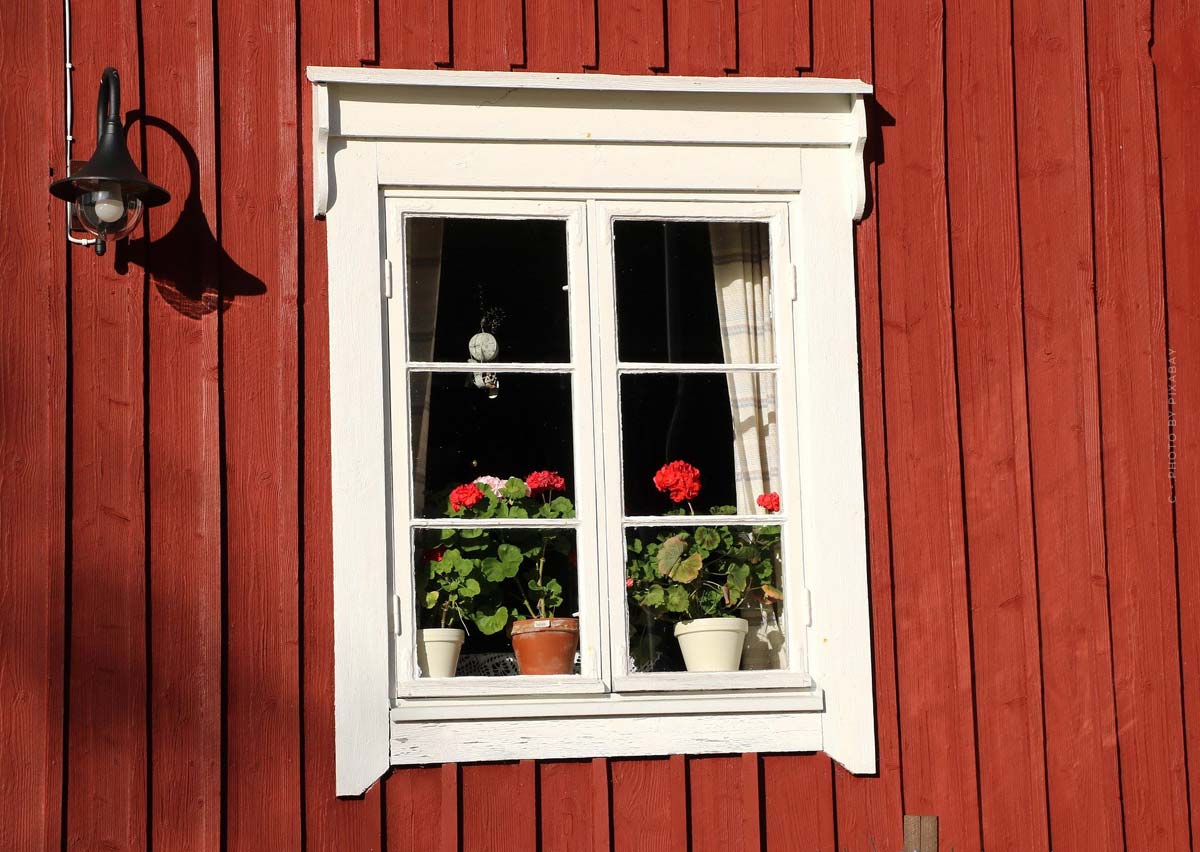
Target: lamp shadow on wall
(189,267)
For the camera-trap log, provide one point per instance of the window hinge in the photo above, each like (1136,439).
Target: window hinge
(806,607)
(396,614)
(387,278)
(795,273)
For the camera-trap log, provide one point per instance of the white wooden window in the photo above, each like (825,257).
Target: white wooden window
(593,164)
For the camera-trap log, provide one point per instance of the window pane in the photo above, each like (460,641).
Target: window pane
(698,442)
(677,574)
(484,581)
(468,427)
(693,292)
(503,277)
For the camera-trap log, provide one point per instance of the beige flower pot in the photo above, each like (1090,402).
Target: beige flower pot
(712,644)
(437,650)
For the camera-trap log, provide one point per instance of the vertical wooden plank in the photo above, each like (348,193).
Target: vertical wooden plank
(868,808)
(1177,76)
(330,824)
(768,34)
(573,805)
(414,33)
(259,223)
(32,435)
(697,35)
(1134,429)
(1083,787)
(107,736)
(632,36)
(649,804)
(989,329)
(366,19)
(560,36)
(418,798)
(724,803)
(929,573)
(798,796)
(487,35)
(184,435)
(499,806)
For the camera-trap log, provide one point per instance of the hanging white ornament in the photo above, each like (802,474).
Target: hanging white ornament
(483,347)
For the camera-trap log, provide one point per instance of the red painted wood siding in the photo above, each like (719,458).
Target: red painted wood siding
(1029,309)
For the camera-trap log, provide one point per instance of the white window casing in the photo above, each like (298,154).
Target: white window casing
(587,148)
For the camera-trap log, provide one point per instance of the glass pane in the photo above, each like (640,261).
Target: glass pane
(470,428)
(679,574)
(699,443)
(486,581)
(504,278)
(693,292)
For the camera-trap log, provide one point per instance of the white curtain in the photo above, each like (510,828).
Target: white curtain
(424,239)
(741,260)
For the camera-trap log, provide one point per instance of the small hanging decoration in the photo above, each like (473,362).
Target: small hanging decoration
(483,347)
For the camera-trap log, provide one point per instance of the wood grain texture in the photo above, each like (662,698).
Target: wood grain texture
(724,796)
(413,33)
(773,37)
(32,433)
(184,475)
(1134,434)
(990,358)
(330,824)
(868,808)
(488,35)
(798,796)
(422,809)
(259,345)
(1177,78)
(560,36)
(499,806)
(573,805)
(936,703)
(632,35)
(107,795)
(1083,786)
(649,804)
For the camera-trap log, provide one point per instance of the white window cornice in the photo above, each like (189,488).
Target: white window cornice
(768,115)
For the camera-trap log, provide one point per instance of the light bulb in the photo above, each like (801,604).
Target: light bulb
(110,208)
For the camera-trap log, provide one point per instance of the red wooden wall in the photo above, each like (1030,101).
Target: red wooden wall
(1030,336)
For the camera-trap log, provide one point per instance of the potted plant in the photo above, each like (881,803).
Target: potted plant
(452,589)
(700,578)
(522,572)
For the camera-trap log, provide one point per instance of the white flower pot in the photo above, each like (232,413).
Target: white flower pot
(711,644)
(437,650)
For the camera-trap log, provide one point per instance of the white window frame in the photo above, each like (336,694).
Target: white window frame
(614,143)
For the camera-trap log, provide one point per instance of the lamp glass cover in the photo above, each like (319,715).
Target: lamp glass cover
(108,214)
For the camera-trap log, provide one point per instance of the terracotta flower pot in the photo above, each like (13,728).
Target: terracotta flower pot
(546,646)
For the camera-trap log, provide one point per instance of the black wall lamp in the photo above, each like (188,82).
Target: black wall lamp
(108,194)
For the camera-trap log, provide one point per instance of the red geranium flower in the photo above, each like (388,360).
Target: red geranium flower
(465,496)
(544,481)
(434,555)
(679,480)
(769,501)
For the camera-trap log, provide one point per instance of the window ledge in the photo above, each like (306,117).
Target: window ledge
(614,726)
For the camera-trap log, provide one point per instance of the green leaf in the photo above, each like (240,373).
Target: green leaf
(654,597)
(514,489)
(470,588)
(474,532)
(563,507)
(677,599)
(723,510)
(687,570)
(772,593)
(517,512)
(431,599)
(495,570)
(492,621)
(670,552)
(738,577)
(707,538)
(509,554)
